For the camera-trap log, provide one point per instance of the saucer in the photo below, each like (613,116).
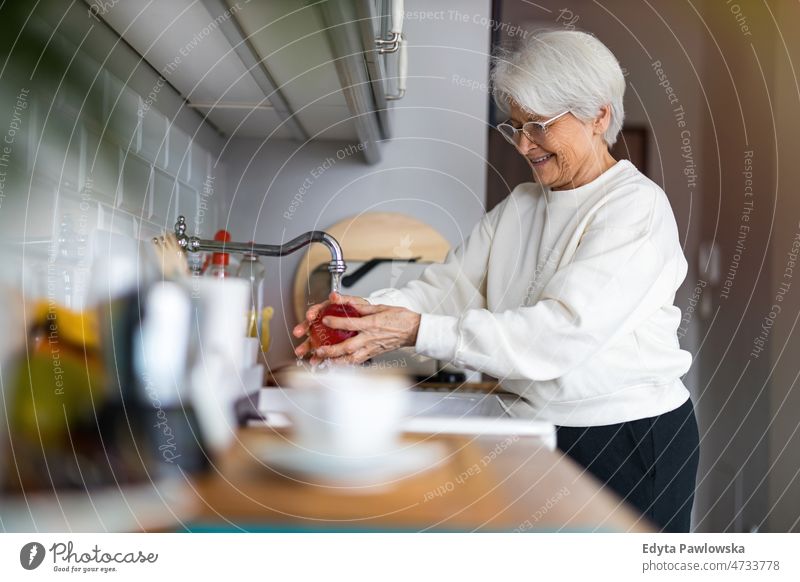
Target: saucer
(375,471)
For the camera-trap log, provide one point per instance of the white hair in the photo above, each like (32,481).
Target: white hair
(556,70)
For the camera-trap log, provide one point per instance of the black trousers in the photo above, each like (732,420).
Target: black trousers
(651,462)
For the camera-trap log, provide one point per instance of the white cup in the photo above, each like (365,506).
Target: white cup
(251,351)
(220,307)
(252,378)
(161,349)
(347,412)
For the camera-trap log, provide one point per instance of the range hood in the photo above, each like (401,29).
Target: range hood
(277,69)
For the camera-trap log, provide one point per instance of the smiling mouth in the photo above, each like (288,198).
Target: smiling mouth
(540,159)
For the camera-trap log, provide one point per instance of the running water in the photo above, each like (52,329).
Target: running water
(336,282)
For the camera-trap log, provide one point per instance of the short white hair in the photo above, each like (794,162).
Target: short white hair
(555,70)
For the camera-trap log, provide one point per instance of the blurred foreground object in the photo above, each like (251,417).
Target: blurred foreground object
(56,405)
(171,258)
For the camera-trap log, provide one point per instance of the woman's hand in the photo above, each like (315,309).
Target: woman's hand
(302,328)
(381,328)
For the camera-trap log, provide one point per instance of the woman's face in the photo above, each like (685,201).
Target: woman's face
(571,154)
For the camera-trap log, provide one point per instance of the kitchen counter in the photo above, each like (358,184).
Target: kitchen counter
(484,483)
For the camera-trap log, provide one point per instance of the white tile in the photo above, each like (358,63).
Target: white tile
(165,195)
(92,96)
(178,153)
(188,204)
(82,218)
(199,166)
(122,114)
(116,221)
(154,132)
(83,214)
(147,230)
(136,185)
(100,161)
(57,155)
(29,209)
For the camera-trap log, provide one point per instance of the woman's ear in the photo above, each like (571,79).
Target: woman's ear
(603,119)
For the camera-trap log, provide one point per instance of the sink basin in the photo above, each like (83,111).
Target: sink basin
(428,412)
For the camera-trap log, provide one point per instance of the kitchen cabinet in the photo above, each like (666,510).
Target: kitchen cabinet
(270,70)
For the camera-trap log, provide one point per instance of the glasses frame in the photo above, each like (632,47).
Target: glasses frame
(541,127)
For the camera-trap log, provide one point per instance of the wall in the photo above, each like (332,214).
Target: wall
(434,167)
(783,511)
(735,385)
(99,149)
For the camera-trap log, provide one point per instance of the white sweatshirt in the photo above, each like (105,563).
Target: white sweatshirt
(567,297)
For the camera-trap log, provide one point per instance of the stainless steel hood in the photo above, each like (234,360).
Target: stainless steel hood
(277,69)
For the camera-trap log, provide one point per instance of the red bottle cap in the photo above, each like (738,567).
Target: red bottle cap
(221,258)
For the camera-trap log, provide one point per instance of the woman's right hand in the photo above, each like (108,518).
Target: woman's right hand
(301,329)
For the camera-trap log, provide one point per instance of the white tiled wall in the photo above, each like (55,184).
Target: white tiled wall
(91,160)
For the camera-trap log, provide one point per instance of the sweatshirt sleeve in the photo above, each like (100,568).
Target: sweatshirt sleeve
(454,286)
(627,265)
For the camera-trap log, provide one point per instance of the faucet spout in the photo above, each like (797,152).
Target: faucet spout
(336,266)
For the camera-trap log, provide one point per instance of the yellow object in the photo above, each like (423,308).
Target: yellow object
(266,316)
(80,328)
(60,380)
(252,323)
(54,390)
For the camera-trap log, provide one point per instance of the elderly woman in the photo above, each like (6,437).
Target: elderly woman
(565,290)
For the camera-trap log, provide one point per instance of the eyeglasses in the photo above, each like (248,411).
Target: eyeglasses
(535,131)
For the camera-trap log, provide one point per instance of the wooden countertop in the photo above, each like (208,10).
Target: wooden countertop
(484,483)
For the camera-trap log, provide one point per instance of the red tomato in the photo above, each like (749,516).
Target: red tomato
(322,335)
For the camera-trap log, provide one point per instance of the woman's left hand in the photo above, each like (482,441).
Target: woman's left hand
(381,328)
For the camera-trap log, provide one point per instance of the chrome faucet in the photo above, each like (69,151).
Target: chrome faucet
(336,267)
